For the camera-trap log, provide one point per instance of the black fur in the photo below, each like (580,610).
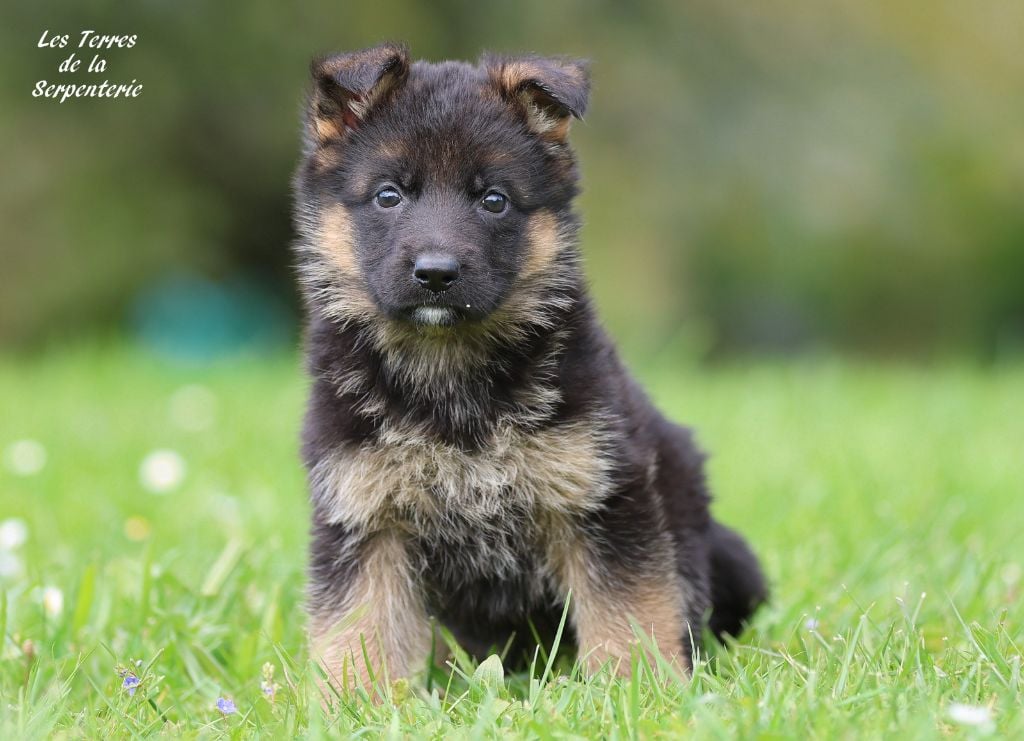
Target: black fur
(443,135)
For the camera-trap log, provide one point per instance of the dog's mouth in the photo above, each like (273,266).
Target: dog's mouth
(436,315)
(445,312)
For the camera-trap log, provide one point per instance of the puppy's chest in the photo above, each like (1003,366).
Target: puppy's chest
(494,501)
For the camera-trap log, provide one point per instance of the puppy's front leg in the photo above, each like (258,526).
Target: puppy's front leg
(613,599)
(367,615)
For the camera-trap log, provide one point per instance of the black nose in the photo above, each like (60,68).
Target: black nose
(436,272)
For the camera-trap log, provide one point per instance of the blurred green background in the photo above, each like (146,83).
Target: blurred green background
(759,178)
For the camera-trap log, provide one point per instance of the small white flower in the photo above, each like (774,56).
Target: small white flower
(11,565)
(161,471)
(970,715)
(13,533)
(811,624)
(193,408)
(25,457)
(53,601)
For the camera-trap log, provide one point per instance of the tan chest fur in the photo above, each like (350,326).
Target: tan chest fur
(410,479)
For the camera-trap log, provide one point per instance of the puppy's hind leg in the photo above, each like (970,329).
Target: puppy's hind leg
(737,584)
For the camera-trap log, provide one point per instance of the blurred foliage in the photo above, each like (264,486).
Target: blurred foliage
(759,177)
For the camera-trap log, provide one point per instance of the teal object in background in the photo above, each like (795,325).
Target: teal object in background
(187,318)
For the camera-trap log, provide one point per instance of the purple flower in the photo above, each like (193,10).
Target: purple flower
(226,706)
(130,683)
(268,686)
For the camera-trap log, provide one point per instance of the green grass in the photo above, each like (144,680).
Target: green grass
(886,502)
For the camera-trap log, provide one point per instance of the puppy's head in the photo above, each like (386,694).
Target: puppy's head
(431,194)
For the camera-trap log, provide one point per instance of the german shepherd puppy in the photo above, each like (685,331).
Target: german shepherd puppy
(476,450)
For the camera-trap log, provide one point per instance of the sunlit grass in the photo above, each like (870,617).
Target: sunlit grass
(164,519)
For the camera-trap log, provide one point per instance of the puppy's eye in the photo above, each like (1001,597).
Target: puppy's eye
(388,198)
(494,202)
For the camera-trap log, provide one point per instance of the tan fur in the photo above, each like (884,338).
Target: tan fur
(330,270)
(325,158)
(545,243)
(329,123)
(336,240)
(362,106)
(561,469)
(510,77)
(328,127)
(512,74)
(383,613)
(607,615)
(542,122)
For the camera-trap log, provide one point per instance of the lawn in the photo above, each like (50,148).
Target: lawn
(152,538)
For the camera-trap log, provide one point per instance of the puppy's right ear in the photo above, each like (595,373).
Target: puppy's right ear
(348,86)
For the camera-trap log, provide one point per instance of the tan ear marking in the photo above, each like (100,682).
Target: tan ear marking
(348,86)
(549,90)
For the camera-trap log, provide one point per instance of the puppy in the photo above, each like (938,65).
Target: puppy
(476,450)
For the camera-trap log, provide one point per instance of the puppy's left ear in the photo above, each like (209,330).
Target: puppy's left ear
(549,91)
